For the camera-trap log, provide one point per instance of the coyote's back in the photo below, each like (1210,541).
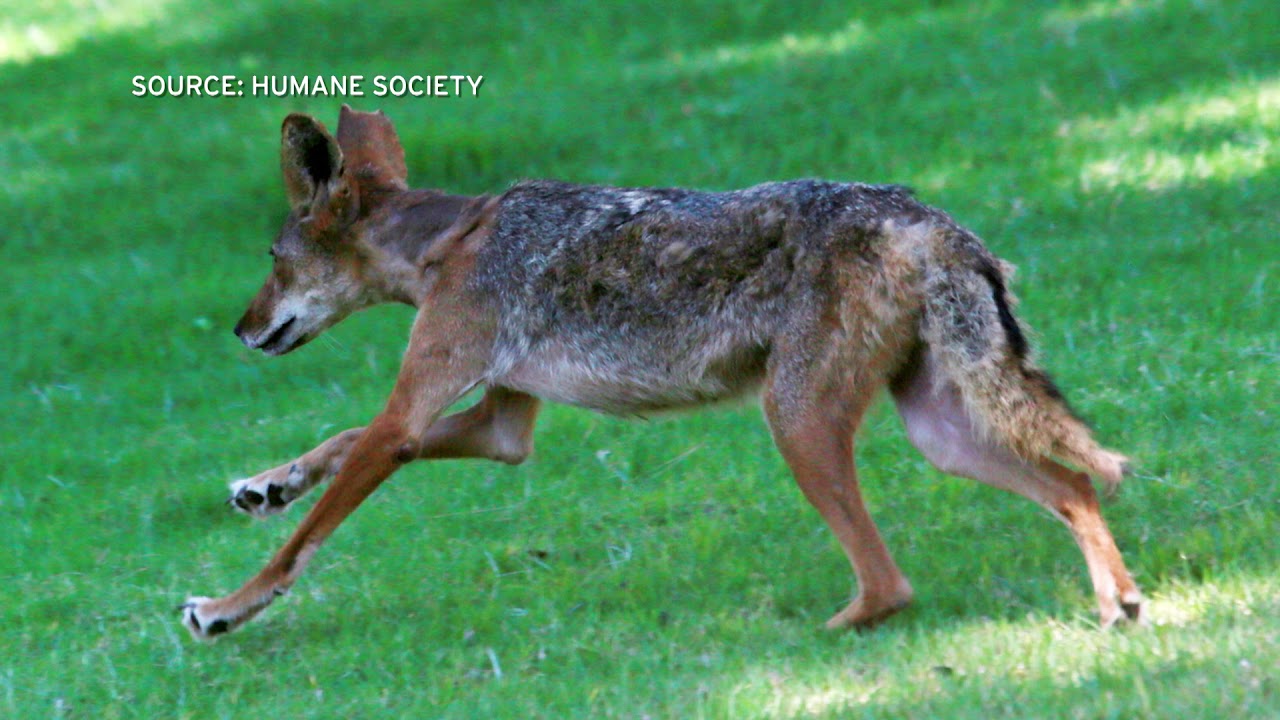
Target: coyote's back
(635,299)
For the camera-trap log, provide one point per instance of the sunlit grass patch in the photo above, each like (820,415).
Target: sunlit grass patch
(1193,137)
(32,30)
(1032,667)
(1068,15)
(785,47)
(1157,170)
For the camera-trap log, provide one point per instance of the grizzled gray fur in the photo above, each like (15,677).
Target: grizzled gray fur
(665,298)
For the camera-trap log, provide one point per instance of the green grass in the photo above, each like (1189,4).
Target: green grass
(1123,153)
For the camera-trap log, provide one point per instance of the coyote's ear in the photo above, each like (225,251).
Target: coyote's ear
(372,148)
(310,158)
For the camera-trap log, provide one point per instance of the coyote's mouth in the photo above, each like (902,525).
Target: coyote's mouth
(275,343)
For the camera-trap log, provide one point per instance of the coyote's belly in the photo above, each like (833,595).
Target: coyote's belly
(638,378)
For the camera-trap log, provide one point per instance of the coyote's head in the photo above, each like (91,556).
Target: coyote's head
(319,258)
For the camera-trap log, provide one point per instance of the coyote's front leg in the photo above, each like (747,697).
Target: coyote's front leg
(270,492)
(438,369)
(499,427)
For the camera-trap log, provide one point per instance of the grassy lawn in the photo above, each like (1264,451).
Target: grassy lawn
(1125,154)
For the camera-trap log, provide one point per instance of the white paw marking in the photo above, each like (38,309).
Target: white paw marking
(265,495)
(202,624)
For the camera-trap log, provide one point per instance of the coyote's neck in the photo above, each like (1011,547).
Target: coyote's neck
(399,233)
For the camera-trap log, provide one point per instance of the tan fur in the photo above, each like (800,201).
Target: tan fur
(996,386)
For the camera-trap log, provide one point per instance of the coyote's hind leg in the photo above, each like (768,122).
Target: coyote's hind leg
(938,425)
(815,437)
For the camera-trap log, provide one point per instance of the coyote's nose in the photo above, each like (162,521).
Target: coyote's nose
(239,329)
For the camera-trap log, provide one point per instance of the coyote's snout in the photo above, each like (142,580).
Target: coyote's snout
(636,300)
(312,285)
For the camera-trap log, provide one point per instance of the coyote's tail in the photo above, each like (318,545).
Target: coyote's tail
(970,328)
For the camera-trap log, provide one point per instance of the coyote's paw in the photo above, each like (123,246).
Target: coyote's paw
(268,493)
(868,610)
(200,619)
(1126,608)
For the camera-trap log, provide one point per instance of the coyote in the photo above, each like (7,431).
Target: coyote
(629,301)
